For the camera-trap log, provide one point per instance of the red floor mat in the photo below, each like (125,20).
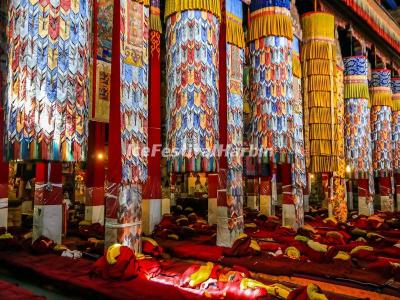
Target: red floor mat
(10,291)
(76,274)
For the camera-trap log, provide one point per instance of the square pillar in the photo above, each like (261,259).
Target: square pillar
(266,206)
(252,192)
(397,185)
(48,211)
(212,198)
(386,202)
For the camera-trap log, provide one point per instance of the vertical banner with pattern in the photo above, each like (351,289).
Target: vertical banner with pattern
(320,91)
(99,109)
(381,122)
(270,46)
(192,36)
(48,79)
(396,124)
(128,123)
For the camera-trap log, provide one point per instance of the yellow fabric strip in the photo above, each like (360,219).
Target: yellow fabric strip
(318,50)
(320,115)
(323,164)
(317,67)
(234,31)
(318,25)
(319,99)
(323,147)
(321,83)
(145,2)
(174,6)
(323,131)
(396,105)
(297,67)
(356,91)
(271,25)
(381,99)
(155,19)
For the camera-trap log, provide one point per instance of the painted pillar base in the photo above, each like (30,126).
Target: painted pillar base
(123,215)
(252,202)
(365,207)
(151,214)
(386,203)
(350,197)
(225,235)
(47,221)
(306,205)
(3,212)
(48,209)
(212,199)
(165,206)
(290,216)
(266,206)
(94,214)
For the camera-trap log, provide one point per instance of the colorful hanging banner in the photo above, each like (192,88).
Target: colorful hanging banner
(320,92)
(270,47)
(99,109)
(192,33)
(396,124)
(48,95)
(357,117)
(381,120)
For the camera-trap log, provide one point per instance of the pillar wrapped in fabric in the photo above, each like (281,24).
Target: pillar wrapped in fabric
(230,190)
(99,109)
(128,123)
(318,55)
(192,35)
(270,47)
(396,135)
(48,78)
(152,187)
(358,151)
(381,131)
(95,172)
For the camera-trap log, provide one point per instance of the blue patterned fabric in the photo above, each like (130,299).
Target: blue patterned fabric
(395,86)
(355,65)
(235,7)
(259,4)
(380,78)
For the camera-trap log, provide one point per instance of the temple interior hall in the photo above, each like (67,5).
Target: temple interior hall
(200,149)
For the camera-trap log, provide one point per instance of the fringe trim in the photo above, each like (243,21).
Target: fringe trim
(356,91)
(318,50)
(320,115)
(318,25)
(234,31)
(320,83)
(381,99)
(174,6)
(323,147)
(323,164)
(155,21)
(319,99)
(396,105)
(318,67)
(323,132)
(271,25)
(297,67)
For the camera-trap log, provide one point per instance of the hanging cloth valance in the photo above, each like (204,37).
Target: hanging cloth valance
(234,23)
(174,6)
(270,18)
(380,90)
(396,94)
(155,19)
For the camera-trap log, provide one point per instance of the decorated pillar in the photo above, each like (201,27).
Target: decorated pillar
(318,55)
(212,198)
(381,121)
(47,102)
(152,188)
(270,44)
(231,62)
(128,135)
(357,136)
(3,173)
(396,137)
(94,202)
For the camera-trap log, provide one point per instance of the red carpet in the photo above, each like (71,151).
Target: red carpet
(10,291)
(75,273)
